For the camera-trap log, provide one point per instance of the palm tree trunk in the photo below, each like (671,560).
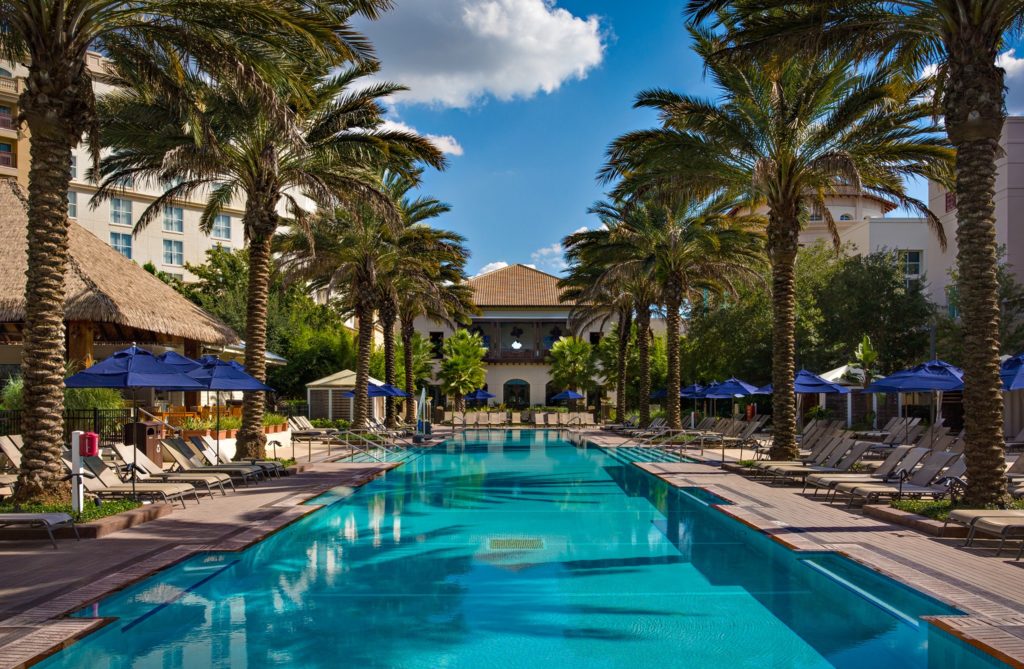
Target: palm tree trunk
(625,326)
(364,315)
(643,341)
(782,248)
(973,105)
(672,350)
(410,385)
(43,331)
(251,438)
(387,319)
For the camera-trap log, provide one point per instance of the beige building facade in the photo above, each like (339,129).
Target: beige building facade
(170,241)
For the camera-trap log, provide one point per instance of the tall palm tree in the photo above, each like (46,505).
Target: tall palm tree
(462,369)
(962,38)
(250,41)
(786,133)
(695,246)
(328,148)
(425,254)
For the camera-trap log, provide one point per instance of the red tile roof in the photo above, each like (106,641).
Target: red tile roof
(516,286)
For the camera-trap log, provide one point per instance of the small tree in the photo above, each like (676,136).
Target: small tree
(572,364)
(865,357)
(462,369)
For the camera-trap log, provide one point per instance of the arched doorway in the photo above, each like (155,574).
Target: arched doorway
(516,394)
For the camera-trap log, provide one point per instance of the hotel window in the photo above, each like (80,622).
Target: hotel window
(913,266)
(6,155)
(950,200)
(174,219)
(122,243)
(127,183)
(74,166)
(222,227)
(72,204)
(120,211)
(6,118)
(174,252)
(437,344)
(846,217)
(816,214)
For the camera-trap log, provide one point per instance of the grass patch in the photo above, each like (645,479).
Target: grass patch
(939,509)
(90,512)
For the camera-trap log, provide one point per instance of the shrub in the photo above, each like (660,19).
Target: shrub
(274,419)
(74,398)
(192,423)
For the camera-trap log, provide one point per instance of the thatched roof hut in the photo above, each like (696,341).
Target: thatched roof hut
(109,297)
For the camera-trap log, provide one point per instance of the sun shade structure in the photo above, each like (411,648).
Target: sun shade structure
(479,395)
(692,391)
(807,383)
(926,377)
(382,390)
(728,389)
(223,375)
(1012,372)
(178,361)
(567,395)
(109,297)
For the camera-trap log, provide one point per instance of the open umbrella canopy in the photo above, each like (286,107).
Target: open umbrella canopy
(1012,373)
(807,383)
(133,367)
(216,374)
(374,390)
(394,391)
(694,391)
(479,395)
(729,388)
(567,395)
(178,361)
(926,377)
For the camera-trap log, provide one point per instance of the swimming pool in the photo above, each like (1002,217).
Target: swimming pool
(518,550)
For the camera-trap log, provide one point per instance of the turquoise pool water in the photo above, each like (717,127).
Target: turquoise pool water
(518,551)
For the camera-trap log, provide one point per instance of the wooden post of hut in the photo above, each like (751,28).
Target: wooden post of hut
(194,350)
(81,335)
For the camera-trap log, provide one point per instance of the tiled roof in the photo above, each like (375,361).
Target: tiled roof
(515,286)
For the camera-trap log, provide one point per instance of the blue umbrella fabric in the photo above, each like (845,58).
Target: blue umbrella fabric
(1012,372)
(395,391)
(692,391)
(729,388)
(764,390)
(178,361)
(133,367)
(926,377)
(659,394)
(567,395)
(479,395)
(372,390)
(810,383)
(216,374)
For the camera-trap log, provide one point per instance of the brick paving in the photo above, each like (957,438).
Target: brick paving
(39,585)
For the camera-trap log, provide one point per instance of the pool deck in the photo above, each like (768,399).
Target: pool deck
(989,589)
(38,585)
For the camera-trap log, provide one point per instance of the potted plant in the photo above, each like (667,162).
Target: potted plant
(195,427)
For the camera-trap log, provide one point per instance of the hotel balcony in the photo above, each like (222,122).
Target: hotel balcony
(10,89)
(495,354)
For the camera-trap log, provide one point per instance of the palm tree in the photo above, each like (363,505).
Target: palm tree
(572,364)
(698,247)
(252,41)
(328,148)
(597,302)
(786,133)
(425,254)
(962,38)
(462,369)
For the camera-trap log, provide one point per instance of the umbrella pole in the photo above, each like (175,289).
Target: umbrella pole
(135,451)
(218,427)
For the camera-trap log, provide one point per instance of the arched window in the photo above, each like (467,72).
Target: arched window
(516,393)
(5,73)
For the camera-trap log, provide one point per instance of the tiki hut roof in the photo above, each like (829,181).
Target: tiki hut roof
(102,285)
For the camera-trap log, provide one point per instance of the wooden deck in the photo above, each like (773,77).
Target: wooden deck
(989,589)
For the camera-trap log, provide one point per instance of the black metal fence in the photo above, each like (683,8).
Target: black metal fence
(108,423)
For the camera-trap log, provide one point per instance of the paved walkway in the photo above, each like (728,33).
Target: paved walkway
(39,584)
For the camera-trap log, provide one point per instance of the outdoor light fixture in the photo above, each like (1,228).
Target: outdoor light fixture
(516,333)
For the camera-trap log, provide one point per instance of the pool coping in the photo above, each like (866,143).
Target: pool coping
(975,627)
(48,628)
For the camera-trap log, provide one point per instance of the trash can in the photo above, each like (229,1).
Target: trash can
(145,436)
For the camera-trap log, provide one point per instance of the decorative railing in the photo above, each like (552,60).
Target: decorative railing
(108,423)
(8,85)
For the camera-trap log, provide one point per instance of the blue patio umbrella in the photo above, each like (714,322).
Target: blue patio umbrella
(659,394)
(394,391)
(478,395)
(692,391)
(928,377)
(728,389)
(372,390)
(178,361)
(567,395)
(132,368)
(764,390)
(1012,372)
(219,375)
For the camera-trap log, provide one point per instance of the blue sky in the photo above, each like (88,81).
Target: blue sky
(525,95)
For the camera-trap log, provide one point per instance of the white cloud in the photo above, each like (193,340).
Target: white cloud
(1014,67)
(446,143)
(491,266)
(453,53)
(549,258)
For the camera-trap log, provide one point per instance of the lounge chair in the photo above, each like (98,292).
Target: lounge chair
(841,459)
(188,461)
(1002,523)
(147,469)
(301,427)
(207,448)
(901,457)
(923,482)
(47,521)
(816,456)
(1015,472)
(108,485)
